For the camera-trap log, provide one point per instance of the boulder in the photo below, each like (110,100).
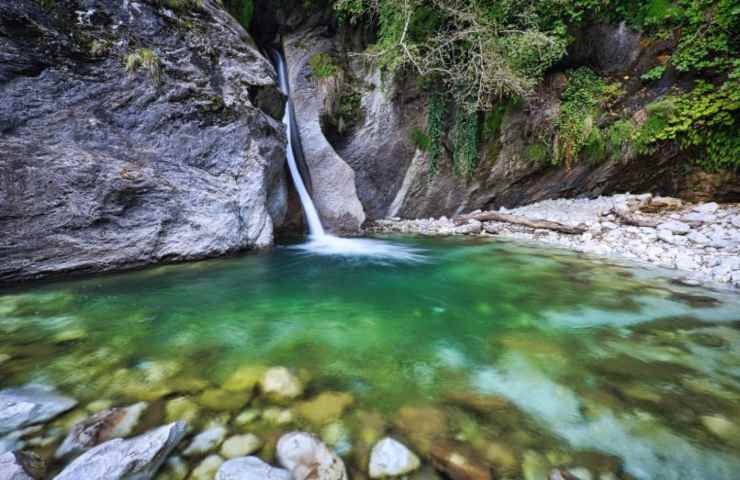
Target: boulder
(390,458)
(306,457)
(250,468)
(136,458)
(101,427)
(675,227)
(107,168)
(21,466)
(30,404)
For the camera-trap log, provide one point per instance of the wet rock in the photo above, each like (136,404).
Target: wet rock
(278,416)
(247,416)
(722,427)
(244,379)
(223,400)
(279,383)
(181,408)
(101,427)
(390,458)
(208,468)
(337,436)
(30,404)
(206,441)
(21,466)
(326,407)
(174,468)
(535,466)
(139,457)
(675,227)
(306,457)
(502,456)
(250,468)
(458,462)
(422,425)
(240,446)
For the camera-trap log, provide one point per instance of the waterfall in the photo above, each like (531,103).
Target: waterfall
(312,216)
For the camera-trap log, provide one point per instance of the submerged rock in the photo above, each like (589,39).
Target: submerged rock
(101,427)
(240,445)
(30,404)
(21,466)
(326,407)
(279,383)
(458,462)
(208,468)
(181,408)
(306,457)
(390,458)
(250,468)
(137,458)
(206,441)
(174,468)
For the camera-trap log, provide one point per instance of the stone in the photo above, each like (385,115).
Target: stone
(502,456)
(337,436)
(710,207)
(30,404)
(722,428)
(666,236)
(195,171)
(174,468)
(735,221)
(667,202)
(247,416)
(278,416)
(281,384)
(136,458)
(181,408)
(251,468)
(240,446)
(534,466)
(244,379)
(325,407)
(699,217)
(698,238)
(459,462)
(101,427)
(470,228)
(206,441)
(675,227)
(208,468)
(223,400)
(306,457)
(21,466)
(390,458)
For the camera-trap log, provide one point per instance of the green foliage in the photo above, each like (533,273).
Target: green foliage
(420,139)
(582,97)
(345,111)
(180,5)
(655,73)
(144,58)
(323,66)
(705,120)
(492,121)
(466,140)
(537,152)
(242,10)
(435,118)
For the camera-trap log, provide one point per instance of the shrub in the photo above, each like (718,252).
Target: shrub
(323,66)
(144,58)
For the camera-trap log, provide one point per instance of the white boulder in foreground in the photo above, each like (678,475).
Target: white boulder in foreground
(305,456)
(250,468)
(30,404)
(390,458)
(138,458)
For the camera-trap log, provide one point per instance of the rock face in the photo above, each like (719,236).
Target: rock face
(104,168)
(332,179)
(30,404)
(138,458)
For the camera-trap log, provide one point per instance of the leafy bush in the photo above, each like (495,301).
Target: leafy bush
(420,139)
(435,118)
(144,58)
(655,73)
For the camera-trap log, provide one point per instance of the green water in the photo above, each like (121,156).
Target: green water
(591,355)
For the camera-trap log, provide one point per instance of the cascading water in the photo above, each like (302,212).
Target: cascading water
(321,243)
(312,216)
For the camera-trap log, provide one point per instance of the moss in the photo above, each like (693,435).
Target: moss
(420,139)
(537,152)
(144,58)
(323,66)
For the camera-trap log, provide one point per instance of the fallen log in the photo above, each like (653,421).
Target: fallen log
(518,220)
(628,219)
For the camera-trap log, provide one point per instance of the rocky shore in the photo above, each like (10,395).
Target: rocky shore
(702,241)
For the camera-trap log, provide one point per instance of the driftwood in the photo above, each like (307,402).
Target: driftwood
(628,219)
(518,220)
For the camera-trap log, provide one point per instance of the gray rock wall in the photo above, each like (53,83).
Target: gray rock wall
(103,168)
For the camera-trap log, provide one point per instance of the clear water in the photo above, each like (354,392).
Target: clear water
(590,356)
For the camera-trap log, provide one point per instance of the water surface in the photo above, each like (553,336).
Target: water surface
(590,356)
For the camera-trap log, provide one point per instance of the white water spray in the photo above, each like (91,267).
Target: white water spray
(320,243)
